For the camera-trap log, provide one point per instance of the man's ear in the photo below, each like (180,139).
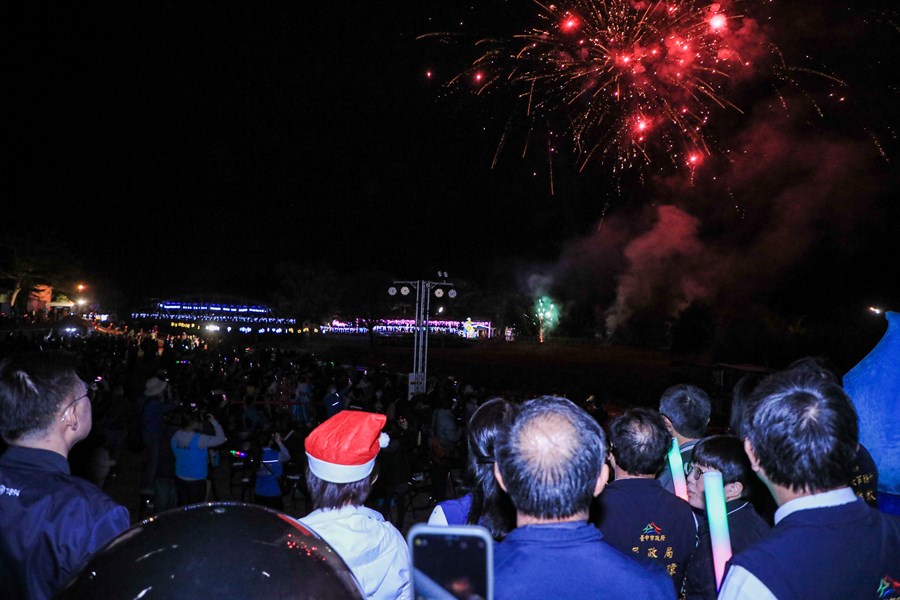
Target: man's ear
(499,477)
(601,480)
(669,425)
(748,449)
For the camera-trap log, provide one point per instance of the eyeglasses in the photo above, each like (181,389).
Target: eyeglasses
(87,394)
(694,472)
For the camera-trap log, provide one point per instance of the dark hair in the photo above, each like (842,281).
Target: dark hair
(816,366)
(741,403)
(804,432)
(640,441)
(725,454)
(550,458)
(327,495)
(32,389)
(687,408)
(490,504)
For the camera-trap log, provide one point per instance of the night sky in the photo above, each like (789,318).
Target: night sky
(188,147)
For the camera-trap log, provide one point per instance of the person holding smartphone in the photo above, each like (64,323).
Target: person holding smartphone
(192,458)
(273,454)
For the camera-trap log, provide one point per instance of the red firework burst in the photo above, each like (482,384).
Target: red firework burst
(631,79)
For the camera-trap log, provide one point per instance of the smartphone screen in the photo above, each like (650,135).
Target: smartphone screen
(452,562)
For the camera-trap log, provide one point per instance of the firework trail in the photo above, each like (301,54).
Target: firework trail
(628,80)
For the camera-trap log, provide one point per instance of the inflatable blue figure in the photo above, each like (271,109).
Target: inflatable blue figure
(874,387)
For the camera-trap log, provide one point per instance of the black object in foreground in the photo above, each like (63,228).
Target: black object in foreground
(215,550)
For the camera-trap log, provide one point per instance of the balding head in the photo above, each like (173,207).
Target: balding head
(551,458)
(640,441)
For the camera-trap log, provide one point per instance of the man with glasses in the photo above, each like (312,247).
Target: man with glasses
(634,513)
(51,522)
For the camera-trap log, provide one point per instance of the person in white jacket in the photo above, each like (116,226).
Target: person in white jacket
(341,453)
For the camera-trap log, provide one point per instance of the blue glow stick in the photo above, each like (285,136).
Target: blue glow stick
(718,522)
(677,467)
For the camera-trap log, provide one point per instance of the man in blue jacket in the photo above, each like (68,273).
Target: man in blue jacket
(801,439)
(552,462)
(51,522)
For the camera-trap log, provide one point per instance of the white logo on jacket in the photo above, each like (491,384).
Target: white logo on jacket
(6,491)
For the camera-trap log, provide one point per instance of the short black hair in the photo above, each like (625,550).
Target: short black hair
(328,495)
(550,457)
(688,408)
(725,454)
(640,441)
(33,387)
(804,432)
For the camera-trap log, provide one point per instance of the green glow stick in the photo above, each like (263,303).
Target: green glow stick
(718,522)
(677,467)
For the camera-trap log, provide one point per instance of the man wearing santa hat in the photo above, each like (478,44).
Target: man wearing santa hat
(341,453)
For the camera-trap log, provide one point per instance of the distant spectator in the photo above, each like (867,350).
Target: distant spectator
(273,454)
(192,457)
(154,405)
(333,402)
(686,410)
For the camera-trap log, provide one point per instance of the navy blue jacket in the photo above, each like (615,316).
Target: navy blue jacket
(844,551)
(50,522)
(570,560)
(745,528)
(456,510)
(641,519)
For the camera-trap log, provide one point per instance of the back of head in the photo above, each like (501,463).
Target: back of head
(484,426)
(688,408)
(725,454)
(640,441)
(817,367)
(741,407)
(491,507)
(804,432)
(550,458)
(32,389)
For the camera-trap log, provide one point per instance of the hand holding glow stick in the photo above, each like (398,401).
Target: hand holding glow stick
(714,491)
(677,467)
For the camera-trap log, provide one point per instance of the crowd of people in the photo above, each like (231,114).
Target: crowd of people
(579,505)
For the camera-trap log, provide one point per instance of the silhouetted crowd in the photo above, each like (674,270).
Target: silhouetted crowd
(579,504)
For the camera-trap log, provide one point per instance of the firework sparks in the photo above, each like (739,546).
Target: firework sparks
(629,80)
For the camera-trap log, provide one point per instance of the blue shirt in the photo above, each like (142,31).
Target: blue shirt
(570,560)
(269,472)
(51,522)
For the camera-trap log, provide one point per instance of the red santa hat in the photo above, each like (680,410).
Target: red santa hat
(343,448)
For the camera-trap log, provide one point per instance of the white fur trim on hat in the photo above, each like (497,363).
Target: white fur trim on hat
(327,471)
